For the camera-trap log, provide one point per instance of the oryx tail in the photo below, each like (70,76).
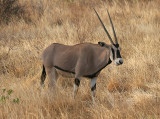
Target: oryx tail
(43,76)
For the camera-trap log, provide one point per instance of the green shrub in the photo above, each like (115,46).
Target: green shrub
(5,96)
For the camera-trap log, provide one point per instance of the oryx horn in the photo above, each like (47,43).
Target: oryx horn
(112,27)
(104,27)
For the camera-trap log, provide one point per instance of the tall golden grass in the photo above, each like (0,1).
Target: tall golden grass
(131,90)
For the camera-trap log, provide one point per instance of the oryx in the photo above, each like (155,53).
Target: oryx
(82,60)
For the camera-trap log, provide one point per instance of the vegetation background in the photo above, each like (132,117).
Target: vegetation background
(131,90)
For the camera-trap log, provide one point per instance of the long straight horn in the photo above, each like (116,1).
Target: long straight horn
(104,27)
(112,28)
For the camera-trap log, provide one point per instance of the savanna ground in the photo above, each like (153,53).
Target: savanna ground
(131,90)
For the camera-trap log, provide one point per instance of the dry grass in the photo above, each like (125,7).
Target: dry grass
(128,91)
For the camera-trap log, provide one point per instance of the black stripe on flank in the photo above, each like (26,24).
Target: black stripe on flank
(64,70)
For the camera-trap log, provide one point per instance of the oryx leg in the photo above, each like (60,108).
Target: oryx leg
(53,75)
(93,87)
(76,86)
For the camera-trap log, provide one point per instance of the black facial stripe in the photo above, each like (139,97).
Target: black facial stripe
(93,88)
(77,81)
(113,53)
(118,54)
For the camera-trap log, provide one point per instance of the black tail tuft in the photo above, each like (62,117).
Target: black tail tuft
(43,76)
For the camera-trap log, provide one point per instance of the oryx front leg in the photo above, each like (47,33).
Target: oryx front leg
(76,86)
(93,87)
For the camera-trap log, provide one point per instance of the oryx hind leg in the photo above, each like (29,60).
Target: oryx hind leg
(53,75)
(93,87)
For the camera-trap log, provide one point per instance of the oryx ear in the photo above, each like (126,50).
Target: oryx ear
(102,44)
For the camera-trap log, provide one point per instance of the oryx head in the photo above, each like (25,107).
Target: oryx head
(115,55)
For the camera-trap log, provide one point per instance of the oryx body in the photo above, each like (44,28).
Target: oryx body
(82,60)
